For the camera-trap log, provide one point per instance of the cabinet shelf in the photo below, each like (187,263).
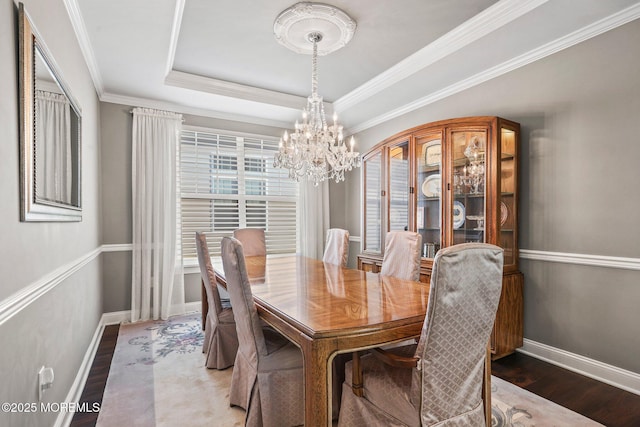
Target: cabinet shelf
(468,195)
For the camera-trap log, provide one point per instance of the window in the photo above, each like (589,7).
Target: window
(228,181)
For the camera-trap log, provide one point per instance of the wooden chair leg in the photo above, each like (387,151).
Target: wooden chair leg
(205,304)
(356,381)
(486,387)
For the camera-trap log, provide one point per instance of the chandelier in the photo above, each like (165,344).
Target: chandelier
(315,150)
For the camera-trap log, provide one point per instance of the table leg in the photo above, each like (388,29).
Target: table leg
(317,381)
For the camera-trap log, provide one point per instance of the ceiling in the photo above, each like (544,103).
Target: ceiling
(220,59)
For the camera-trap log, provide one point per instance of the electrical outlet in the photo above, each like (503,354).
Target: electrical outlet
(45,380)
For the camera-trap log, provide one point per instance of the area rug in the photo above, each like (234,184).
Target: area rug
(158,378)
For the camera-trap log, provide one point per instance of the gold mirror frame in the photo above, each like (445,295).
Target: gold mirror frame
(37,202)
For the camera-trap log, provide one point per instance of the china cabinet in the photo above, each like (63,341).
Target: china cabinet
(452,181)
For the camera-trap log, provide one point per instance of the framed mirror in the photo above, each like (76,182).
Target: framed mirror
(50,134)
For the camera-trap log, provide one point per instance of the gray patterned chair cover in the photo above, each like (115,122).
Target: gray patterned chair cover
(402,255)
(336,250)
(446,387)
(253,241)
(267,378)
(220,337)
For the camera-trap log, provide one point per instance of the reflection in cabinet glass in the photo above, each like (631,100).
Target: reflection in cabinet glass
(468,209)
(373,202)
(399,187)
(452,181)
(429,183)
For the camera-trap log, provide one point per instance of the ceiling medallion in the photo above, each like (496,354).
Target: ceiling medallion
(315,150)
(293,26)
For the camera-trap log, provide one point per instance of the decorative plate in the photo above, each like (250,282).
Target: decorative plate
(431,186)
(504,213)
(432,153)
(458,214)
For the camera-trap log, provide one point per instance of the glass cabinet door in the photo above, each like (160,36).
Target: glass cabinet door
(508,237)
(399,187)
(372,170)
(429,192)
(468,207)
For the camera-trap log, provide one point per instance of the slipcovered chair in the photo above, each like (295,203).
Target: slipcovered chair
(253,241)
(267,379)
(336,250)
(402,255)
(220,338)
(439,381)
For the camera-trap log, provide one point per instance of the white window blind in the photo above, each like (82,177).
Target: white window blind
(229,182)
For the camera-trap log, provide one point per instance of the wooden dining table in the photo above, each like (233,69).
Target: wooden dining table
(326,310)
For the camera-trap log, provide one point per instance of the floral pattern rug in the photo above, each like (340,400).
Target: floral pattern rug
(158,378)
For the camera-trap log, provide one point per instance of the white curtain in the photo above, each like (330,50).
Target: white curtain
(157,273)
(313,217)
(53,146)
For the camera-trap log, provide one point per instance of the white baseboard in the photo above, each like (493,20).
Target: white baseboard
(64,417)
(609,374)
(117,317)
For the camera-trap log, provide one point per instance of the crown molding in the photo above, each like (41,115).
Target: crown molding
(175,33)
(613,21)
(234,90)
(85,45)
(164,105)
(487,21)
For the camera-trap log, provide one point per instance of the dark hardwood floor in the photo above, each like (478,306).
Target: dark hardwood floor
(601,402)
(97,379)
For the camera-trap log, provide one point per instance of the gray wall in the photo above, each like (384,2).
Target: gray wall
(55,329)
(116,210)
(579,110)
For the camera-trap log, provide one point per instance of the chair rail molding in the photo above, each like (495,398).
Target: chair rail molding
(582,259)
(12,305)
(121,247)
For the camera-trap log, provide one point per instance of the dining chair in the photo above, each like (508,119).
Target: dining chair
(439,380)
(336,250)
(267,379)
(402,255)
(220,337)
(253,241)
